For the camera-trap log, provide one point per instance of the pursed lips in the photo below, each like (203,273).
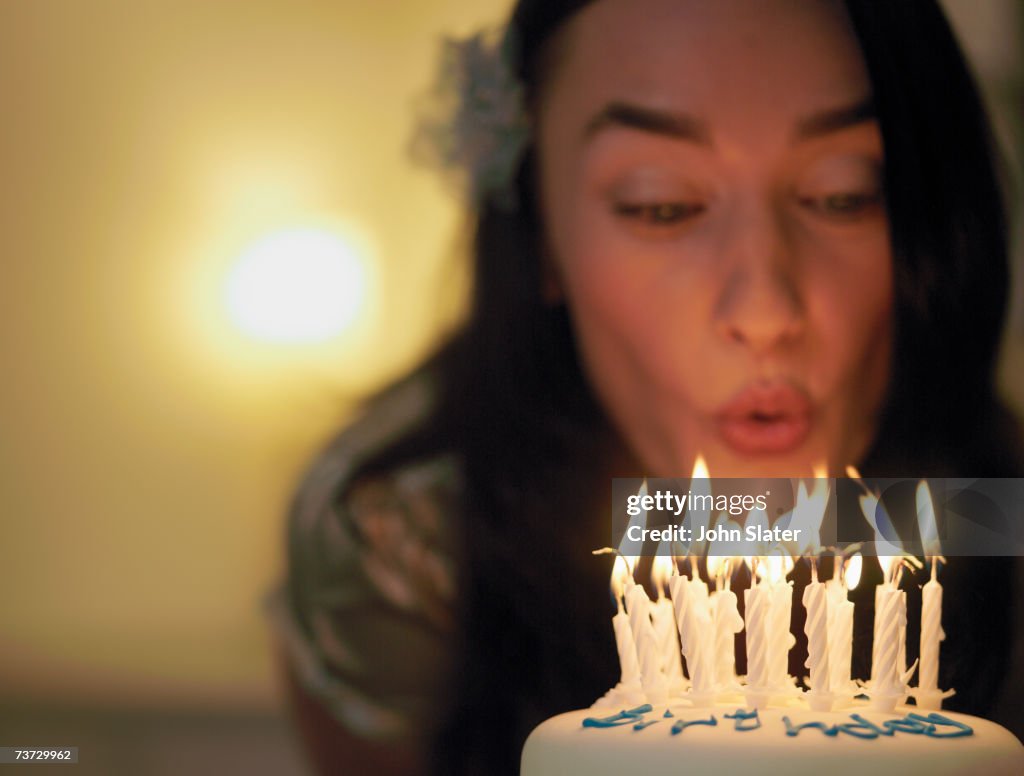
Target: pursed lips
(765,418)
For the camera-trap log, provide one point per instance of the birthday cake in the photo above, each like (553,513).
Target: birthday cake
(792,740)
(660,719)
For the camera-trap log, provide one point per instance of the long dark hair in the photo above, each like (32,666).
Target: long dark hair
(538,452)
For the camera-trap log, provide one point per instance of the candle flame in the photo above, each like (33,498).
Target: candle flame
(662,567)
(696,520)
(640,520)
(809,513)
(774,566)
(851,571)
(886,540)
(852,473)
(926,520)
(757,517)
(716,566)
(820,471)
(700,468)
(620,572)
(887,562)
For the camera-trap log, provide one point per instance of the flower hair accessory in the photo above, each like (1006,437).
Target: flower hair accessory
(473,125)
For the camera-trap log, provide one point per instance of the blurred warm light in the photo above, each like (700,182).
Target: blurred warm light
(297,286)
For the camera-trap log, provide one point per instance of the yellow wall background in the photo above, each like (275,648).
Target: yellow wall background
(147,451)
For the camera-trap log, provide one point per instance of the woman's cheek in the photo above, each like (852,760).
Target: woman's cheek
(849,316)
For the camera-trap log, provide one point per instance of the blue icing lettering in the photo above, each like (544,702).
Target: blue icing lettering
(906,725)
(869,724)
(682,724)
(624,717)
(613,721)
(934,720)
(639,710)
(794,730)
(857,730)
(743,717)
(668,713)
(641,725)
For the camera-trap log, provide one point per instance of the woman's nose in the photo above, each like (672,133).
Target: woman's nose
(761,306)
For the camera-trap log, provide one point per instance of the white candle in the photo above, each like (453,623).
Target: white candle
(664,619)
(841,646)
(816,602)
(757,600)
(881,591)
(901,655)
(931,634)
(886,681)
(651,675)
(836,592)
(781,640)
(840,642)
(629,668)
(727,624)
(702,672)
(892,605)
(700,638)
(668,642)
(928,695)
(876,639)
(679,587)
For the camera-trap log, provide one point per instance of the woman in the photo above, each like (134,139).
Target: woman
(767,232)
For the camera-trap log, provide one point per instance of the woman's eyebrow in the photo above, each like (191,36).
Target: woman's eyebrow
(679,126)
(683,126)
(834,119)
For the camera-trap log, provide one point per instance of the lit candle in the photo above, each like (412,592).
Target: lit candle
(886,688)
(779,620)
(888,676)
(679,588)
(727,623)
(652,677)
(841,617)
(931,634)
(881,591)
(700,637)
(889,646)
(757,600)
(876,640)
(928,695)
(816,602)
(665,627)
(628,666)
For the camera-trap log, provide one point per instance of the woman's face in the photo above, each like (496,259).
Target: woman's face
(711,179)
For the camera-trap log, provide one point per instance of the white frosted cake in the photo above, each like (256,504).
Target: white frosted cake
(792,740)
(657,720)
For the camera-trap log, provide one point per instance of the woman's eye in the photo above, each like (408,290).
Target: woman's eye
(843,204)
(658,213)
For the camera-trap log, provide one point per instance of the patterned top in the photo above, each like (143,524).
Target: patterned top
(366,610)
